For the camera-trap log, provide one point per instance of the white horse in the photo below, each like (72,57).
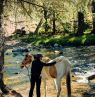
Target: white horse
(62,67)
(57,71)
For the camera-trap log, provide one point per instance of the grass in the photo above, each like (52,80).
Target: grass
(64,40)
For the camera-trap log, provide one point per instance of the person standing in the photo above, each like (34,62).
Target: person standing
(37,66)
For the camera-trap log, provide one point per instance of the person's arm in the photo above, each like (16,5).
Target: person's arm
(49,64)
(58,59)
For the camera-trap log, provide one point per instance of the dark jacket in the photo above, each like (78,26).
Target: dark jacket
(38,65)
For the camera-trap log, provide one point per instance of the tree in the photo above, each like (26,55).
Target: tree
(54,26)
(93,16)
(80,23)
(81,6)
(2,85)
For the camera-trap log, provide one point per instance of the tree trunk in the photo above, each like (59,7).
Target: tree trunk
(93,30)
(38,26)
(75,26)
(93,16)
(1,47)
(45,17)
(93,6)
(54,29)
(80,23)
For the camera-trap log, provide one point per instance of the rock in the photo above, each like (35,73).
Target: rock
(16,94)
(58,52)
(56,45)
(19,50)
(7,53)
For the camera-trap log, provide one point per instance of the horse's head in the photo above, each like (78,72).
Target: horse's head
(27,61)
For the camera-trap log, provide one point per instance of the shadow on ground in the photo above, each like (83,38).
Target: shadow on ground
(90,92)
(12,93)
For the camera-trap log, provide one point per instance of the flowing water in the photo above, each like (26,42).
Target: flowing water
(82,59)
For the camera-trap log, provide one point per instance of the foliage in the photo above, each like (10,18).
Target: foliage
(65,16)
(66,10)
(67,40)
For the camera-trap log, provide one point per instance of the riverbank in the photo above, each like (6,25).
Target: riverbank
(80,57)
(78,89)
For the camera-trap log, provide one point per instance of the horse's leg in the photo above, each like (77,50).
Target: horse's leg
(58,86)
(55,85)
(68,81)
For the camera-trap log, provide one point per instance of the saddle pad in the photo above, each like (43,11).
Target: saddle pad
(53,71)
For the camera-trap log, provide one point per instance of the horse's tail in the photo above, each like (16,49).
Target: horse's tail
(68,82)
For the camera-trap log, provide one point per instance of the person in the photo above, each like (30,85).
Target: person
(37,66)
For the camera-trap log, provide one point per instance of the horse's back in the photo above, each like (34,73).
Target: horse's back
(58,70)
(62,66)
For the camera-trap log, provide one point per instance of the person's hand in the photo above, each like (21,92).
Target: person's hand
(54,62)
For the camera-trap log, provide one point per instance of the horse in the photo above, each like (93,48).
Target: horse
(26,61)
(57,71)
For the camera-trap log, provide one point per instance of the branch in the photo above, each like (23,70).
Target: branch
(32,3)
(25,9)
(27,2)
(35,5)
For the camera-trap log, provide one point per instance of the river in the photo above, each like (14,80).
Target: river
(82,59)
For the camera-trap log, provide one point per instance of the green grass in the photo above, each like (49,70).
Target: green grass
(64,40)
